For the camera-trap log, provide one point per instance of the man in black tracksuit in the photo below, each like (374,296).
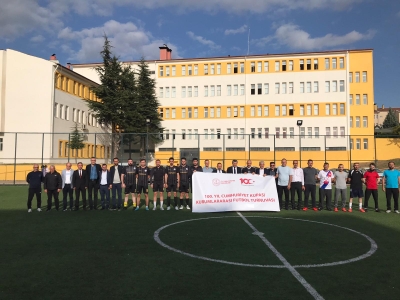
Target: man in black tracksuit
(52,186)
(35,179)
(184,181)
(157,184)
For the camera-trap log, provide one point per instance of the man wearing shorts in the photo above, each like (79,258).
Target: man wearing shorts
(171,183)
(183,183)
(129,183)
(157,184)
(143,177)
(356,191)
(371,180)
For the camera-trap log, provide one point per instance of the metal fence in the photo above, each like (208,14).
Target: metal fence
(18,151)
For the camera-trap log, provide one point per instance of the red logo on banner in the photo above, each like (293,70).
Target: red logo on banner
(246,181)
(216,182)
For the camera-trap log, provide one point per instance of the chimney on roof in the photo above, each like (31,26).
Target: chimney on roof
(375,106)
(53,58)
(383,106)
(165,53)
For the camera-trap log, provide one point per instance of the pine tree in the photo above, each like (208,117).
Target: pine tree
(76,140)
(147,107)
(390,120)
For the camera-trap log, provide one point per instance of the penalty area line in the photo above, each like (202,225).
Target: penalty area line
(287,265)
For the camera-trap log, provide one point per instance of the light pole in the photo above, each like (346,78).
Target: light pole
(147,140)
(299,123)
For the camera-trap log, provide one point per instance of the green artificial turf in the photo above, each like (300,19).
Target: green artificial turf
(113,255)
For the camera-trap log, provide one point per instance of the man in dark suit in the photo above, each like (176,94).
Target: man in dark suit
(116,172)
(248,169)
(271,171)
(261,171)
(80,182)
(105,186)
(234,169)
(92,171)
(219,169)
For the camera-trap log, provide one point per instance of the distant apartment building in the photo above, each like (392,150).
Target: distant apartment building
(381,113)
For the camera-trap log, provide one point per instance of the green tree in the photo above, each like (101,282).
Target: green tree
(76,139)
(147,107)
(390,120)
(396,130)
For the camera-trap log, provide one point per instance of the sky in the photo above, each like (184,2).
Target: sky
(74,30)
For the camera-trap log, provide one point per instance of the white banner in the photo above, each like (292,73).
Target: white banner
(233,192)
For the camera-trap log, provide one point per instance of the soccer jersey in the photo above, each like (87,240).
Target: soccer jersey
(157,174)
(392,178)
(130,175)
(325,179)
(371,179)
(172,175)
(143,174)
(356,177)
(184,174)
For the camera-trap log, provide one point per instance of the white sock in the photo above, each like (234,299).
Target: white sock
(360,205)
(350,204)
(147,206)
(155,203)
(161,203)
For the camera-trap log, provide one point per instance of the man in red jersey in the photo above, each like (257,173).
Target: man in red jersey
(371,180)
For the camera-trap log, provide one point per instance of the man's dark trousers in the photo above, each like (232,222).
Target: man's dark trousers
(325,194)
(38,193)
(310,189)
(93,190)
(282,189)
(105,196)
(295,187)
(78,192)
(50,195)
(68,191)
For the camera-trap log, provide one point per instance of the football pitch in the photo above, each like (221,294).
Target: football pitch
(182,255)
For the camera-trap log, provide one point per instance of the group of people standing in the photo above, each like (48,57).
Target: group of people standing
(97,179)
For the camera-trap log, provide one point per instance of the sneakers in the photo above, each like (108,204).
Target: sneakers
(336,209)
(125,204)
(137,208)
(187,207)
(362,210)
(377,210)
(39,209)
(168,207)
(305,208)
(397,212)
(315,209)
(176,208)
(161,208)
(350,210)
(181,207)
(147,208)
(65,209)
(388,211)
(29,210)
(344,209)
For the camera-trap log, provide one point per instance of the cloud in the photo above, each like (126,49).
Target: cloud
(129,42)
(37,39)
(292,36)
(236,31)
(202,40)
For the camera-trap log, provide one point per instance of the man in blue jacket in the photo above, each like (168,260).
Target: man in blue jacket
(35,179)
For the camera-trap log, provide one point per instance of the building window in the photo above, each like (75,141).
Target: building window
(229,90)
(189,70)
(252,68)
(365,142)
(252,111)
(183,70)
(218,90)
(277,66)
(266,88)
(301,110)
(291,110)
(308,87)
(196,91)
(189,135)
(196,134)
(284,132)
(259,88)
(266,66)
(283,87)
(334,109)
(341,63)
(316,132)
(290,65)
(290,87)
(357,76)
(167,92)
(351,77)
(284,65)
(358,144)
(253,132)
(206,112)
(228,68)
(302,64)
(235,133)
(259,111)
(173,92)
(242,90)
(242,133)
(301,87)
(66,110)
(173,70)
(316,109)
(351,121)
(284,110)
(235,89)
(342,85)
(206,134)
(259,67)
(212,133)
(365,122)
(326,63)
(358,122)
(327,109)
(184,92)
(277,110)
(166,71)
(161,93)
(235,68)
(259,133)
(173,113)
(253,89)
(205,69)
(212,91)
(212,69)
(235,111)
(266,111)
(183,113)
(196,69)
(327,86)
(161,71)
(351,99)
(316,64)
(218,112)
(277,88)
(309,132)
(342,109)
(242,68)
(358,100)
(334,66)
(242,111)
(189,91)
(61,113)
(335,132)
(316,87)
(212,112)
(364,76)
(308,64)
(277,132)
(206,91)
(342,131)
(228,112)
(328,132)
(266,133)
(196,112)
(183,134)
(365,99)
(189,112)
(334,86)
(167,113)
(309,109)
(218,69)
(291,132)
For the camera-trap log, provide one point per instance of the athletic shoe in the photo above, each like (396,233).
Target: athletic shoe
(39,209)
(362,210)
(397,212)
(147,208)
(29,210)
(350,210)
(137,208)
(181,207)
(176,208)
(344,209)
(168,207)
(161,208)
(187,207)
(320,208)
(154,208)
(388,211)
(336,210)
(377,210)
(125,204)
(305,208)
(65,209)
(315,209)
